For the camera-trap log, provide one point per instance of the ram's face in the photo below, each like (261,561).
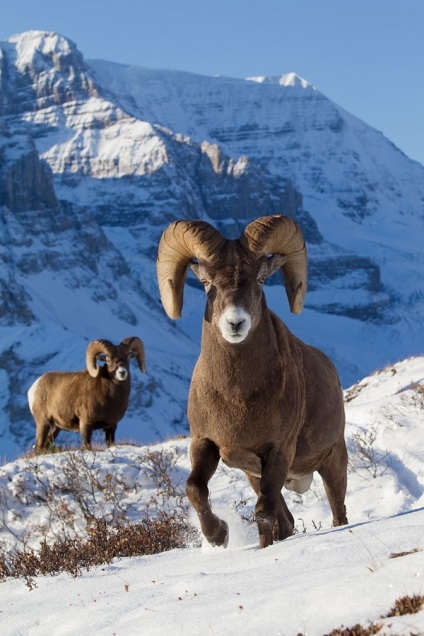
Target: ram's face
(235,293)
(234,299)
(118,368)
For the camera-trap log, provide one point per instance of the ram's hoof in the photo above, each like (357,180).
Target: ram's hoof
(265,528)
(221,537)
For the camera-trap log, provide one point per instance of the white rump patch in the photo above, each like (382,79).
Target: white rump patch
(31,393)
(235,324)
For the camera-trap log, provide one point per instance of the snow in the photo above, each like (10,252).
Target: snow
(308,585)
(317,580)
(288,79)
(29,43)
(87,140)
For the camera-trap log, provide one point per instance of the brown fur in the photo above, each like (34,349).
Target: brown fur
(270,405)
(260,399)
(76,401)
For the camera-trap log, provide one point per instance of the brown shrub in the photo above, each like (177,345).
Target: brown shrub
(356,630)
(407,605)
(105,543)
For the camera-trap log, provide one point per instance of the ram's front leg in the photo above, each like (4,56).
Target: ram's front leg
(110,435)
(272,515)
(86,432)
(204,461)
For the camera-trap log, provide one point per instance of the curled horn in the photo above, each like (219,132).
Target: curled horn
(136,349)
(94,350)
(281,235)
(180,243)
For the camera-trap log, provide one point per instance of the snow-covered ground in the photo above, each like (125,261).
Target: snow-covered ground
(315,581)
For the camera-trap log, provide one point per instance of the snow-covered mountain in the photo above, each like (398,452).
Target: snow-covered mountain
(97,158)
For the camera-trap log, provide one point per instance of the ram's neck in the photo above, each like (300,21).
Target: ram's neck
(244,366)
(115,388)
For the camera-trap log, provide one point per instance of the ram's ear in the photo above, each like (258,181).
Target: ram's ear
(195,268)
(201,273)
(270,264)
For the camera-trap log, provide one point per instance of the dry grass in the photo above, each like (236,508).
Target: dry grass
(86,519)
(395,555)
(407,605)
(105,543)
(356,630)
(403,606)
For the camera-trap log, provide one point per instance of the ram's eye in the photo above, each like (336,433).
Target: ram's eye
(261,279)
(205,282)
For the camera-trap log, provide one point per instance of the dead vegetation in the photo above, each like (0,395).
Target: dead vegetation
(403,606)
(366,454)
(395,555)
(356,630)
(407,605)
(87,514)
(103,544)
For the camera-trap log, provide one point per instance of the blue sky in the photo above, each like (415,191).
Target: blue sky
(366,55)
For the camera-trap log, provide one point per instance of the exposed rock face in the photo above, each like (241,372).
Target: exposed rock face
(242,189)
(26,182)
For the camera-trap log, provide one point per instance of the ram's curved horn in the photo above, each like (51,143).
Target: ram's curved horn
(136,350)
(180,243)
(94,349)
(281,235)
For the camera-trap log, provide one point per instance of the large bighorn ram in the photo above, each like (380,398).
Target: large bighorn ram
(260,399)
(84,401)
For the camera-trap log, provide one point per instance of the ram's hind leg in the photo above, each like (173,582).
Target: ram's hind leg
(204,461)
(53,433)
(334,475)
(42,435)
(110,435)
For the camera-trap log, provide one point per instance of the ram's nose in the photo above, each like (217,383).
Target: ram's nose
(235,324)
(121,373)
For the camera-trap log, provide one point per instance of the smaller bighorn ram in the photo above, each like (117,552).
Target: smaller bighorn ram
(260,399)
(84,401)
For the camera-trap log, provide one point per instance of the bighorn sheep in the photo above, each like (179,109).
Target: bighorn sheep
(84,401)
(260,399)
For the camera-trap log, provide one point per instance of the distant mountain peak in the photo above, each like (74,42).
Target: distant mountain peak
(44,65)
(46,42)
(34,47)
(287,79)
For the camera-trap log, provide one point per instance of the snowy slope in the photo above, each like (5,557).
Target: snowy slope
(309,585)
(313,582)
